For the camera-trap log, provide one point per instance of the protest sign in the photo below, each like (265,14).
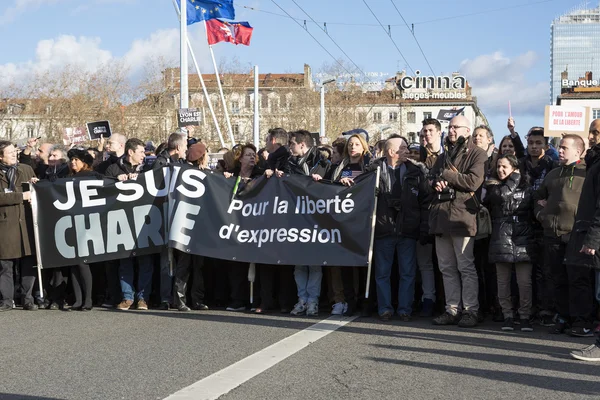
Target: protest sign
(98,129)
(188,116)
(286,221)
(74,136)
(559,120)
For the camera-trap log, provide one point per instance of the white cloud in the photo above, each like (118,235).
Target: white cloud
(497,79)
(89,4)
(20,7)
(87,53)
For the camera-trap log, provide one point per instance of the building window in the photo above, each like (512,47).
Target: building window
(596,113)
(264,100)
(411,117)
(426,115)
(236,129)
(362,118)
(30,131)
(377,117)
(9,132)
(235,107)
(274,105)
(393,116)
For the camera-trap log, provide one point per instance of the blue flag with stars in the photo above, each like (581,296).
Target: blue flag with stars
(200,10)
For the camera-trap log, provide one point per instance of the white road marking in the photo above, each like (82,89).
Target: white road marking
(227,379)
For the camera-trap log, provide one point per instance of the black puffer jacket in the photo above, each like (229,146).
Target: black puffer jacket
(402,212)
(510,203)
(586,230)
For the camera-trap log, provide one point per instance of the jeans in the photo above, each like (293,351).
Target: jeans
(144,283)
(308,282)
(425,263)
(457,265)
(405,250)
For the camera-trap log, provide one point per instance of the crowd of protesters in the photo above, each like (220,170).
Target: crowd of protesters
(511,232)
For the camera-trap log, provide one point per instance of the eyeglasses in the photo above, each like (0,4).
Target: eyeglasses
(595,132)
(455,127)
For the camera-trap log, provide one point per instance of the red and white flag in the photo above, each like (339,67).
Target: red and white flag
(232,32)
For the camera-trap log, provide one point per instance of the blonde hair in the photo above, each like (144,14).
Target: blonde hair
(363,143)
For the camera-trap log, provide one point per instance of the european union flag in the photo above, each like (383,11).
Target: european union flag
(200,10)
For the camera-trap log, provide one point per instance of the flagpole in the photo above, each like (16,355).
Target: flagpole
(212,54)
(256,109)
(183,64)
(206,96)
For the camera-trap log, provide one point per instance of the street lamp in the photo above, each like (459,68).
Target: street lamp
(322,132)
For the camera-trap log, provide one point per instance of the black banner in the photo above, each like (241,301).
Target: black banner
(290,221)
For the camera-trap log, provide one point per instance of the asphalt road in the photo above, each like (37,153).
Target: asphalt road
(106,354)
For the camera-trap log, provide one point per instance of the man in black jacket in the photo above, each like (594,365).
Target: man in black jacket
(126,168)
(115,148)
(583,251)
(306,160)
(175,152)
(276,145)
(401,219)
(40,162)
(535,166)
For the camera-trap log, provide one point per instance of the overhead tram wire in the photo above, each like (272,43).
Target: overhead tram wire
(334,42)
(315,39)
(390,36)
(323,47)
(414,37)
(394,25)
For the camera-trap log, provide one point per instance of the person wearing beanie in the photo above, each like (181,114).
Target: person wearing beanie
(197,155)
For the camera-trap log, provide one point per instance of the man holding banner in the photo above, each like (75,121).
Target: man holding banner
(401,219)
(306,160)
(16,224)
(125,169)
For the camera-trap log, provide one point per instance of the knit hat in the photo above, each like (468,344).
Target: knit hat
(196,151)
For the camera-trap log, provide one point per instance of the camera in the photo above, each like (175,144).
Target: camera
(446,195)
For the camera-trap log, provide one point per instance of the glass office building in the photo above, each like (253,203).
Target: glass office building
(574,47)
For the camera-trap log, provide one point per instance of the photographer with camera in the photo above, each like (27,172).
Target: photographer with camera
(457,174)
(401,220)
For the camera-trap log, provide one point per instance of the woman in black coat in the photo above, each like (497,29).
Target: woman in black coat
(80,164)
(510,203)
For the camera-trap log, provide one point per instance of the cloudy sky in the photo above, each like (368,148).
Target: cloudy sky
(501,47)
